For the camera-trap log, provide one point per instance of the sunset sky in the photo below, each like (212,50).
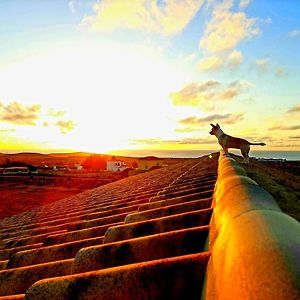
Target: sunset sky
(108,75)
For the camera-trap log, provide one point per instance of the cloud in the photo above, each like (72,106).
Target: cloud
(223,33)
(65,126)
(295,127)
(17,113)
(262,64)
(216,62)
(199,141)
(194,93)
(150,141)
(190,58)
(280,72)
(235,58)
(187,129)
(244,3)
(7,130)
(214,118)
(295,137)
(294,33)
(208,94)
(55,113)
(233,89)
(166,17)
(227,29)
(72,6)
(294,109)
(185,141)
(210,63)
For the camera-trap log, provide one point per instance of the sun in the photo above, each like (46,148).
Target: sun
(113,95)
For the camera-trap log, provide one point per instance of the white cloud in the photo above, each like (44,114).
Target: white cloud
(167,17)
(71,5)
(65,126)
(55,113)
(280,72)
(244,3)
(20,114)
(235,58)
(262,64)
(184,141)
(227,29)
(265,65)
(262,61)
(223,33)
(210,63)
(210,94)
(294,33)
(216,62)
(294,109)
(195,122)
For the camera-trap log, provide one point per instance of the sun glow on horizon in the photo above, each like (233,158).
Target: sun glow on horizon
(100,88)
(89,76)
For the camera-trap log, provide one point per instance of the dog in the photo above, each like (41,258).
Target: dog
(227,141)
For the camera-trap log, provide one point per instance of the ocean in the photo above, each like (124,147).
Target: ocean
(288,155)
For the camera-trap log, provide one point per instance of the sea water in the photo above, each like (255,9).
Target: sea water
(288,155)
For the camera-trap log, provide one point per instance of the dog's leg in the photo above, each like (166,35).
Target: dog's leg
(245,152)
(225,151)
(245,160)
(247,155)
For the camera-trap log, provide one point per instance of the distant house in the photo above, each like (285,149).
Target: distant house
(275,160)
(60,168)
(149,163)
(16,170)
(115,165)
(77,167)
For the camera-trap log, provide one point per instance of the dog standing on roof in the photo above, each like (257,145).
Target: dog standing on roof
(227,141)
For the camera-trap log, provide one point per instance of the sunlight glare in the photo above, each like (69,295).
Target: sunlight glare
(112,94)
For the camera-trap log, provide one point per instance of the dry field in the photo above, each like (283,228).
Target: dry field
(16,198)
(282,181)
(23,193)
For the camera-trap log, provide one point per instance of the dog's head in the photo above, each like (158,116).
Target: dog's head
(214,129)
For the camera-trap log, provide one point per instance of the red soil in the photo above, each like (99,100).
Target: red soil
(16,198)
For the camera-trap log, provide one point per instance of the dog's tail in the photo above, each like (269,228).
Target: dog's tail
(259,144)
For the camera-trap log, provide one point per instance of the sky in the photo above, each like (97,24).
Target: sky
(110,75)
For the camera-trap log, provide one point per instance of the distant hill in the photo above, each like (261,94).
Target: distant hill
(39,159)
(67,159)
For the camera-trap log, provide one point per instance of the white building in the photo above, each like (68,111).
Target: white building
(78,167)
(115,165)
(16,170)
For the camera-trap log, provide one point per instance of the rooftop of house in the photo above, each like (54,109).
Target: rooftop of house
(145,237)
(113,234)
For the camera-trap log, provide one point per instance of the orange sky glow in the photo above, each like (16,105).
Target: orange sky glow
(116,75)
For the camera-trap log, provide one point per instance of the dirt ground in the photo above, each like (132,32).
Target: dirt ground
(283,182)
(16,198)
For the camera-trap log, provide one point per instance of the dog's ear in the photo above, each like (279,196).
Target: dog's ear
(212,125)
(218,125)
